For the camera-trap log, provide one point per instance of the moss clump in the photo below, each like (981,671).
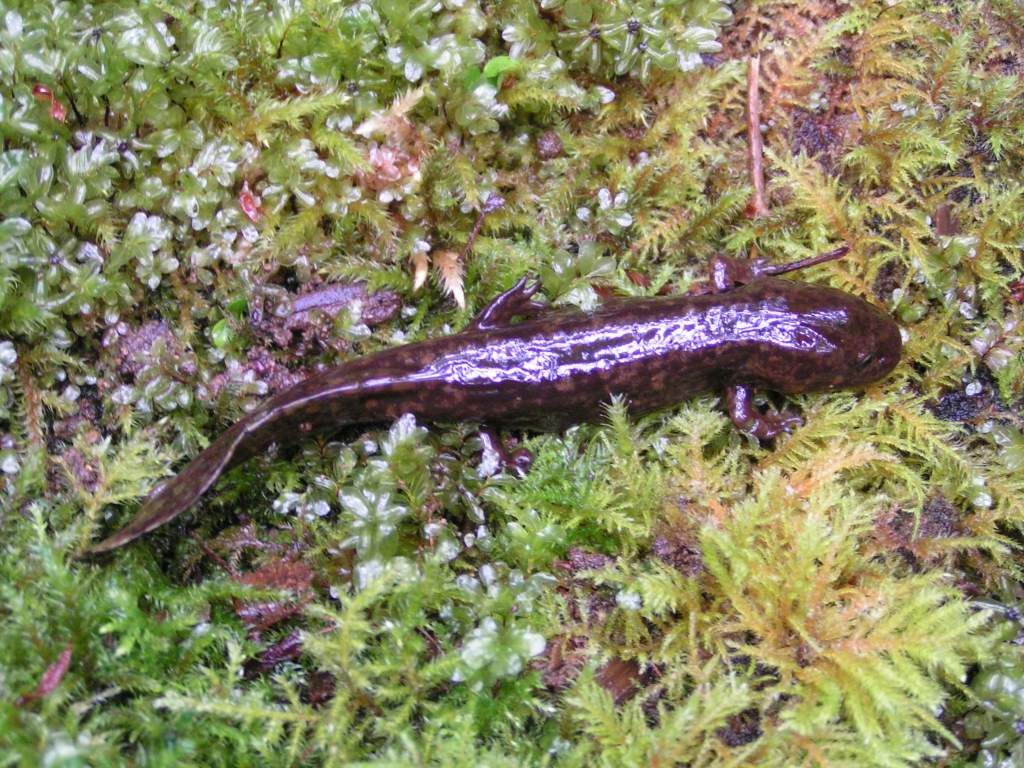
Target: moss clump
(660,590)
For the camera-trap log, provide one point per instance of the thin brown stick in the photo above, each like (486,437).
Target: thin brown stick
(208,551)
(757,207)
(781,269)
(493,202)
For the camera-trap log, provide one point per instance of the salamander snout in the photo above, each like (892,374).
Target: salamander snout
(874,348)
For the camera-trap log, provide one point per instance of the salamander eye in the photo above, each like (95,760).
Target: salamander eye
(866,359)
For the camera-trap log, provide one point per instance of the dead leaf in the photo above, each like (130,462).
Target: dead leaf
(292,575)
(420,264)
(51,678)
(450,268)
(58,111)
(320,689)
(285,649)
(393,123)
(259,617)
(249,202)
(620,678)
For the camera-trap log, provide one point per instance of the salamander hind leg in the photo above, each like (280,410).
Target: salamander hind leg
(747,418)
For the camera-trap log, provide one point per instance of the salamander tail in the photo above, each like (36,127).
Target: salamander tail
(178,493)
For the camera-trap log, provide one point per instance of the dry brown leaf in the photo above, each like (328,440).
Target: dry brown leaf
(393,122)
(420,264)
(50,680)
(280,574)
(449,266)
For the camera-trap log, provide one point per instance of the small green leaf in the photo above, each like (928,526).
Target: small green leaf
(471,77)
(221,334)
(140,41)
(238,307)
(499,65)
(12,164)
(14,227)
(576,13)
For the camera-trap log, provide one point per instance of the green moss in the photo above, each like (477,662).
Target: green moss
(654,590)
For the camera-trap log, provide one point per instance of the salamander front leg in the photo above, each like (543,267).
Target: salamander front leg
(746,417)
(517,301)
(518,461)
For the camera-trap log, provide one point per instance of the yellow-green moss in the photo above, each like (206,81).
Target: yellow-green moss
(661,591)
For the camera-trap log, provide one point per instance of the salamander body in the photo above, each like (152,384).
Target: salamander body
(553,369)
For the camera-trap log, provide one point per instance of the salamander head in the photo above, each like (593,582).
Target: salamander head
(875,349)
(832,340)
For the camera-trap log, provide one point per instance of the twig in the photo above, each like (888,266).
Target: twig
(781,269)
(71,100)
(493,202)
(757,207)
(208,551)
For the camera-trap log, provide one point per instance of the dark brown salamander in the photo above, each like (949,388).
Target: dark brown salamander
(554,369)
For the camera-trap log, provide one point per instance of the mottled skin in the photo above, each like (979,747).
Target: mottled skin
(553,369)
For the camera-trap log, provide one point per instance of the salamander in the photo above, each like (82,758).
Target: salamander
(520,364)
